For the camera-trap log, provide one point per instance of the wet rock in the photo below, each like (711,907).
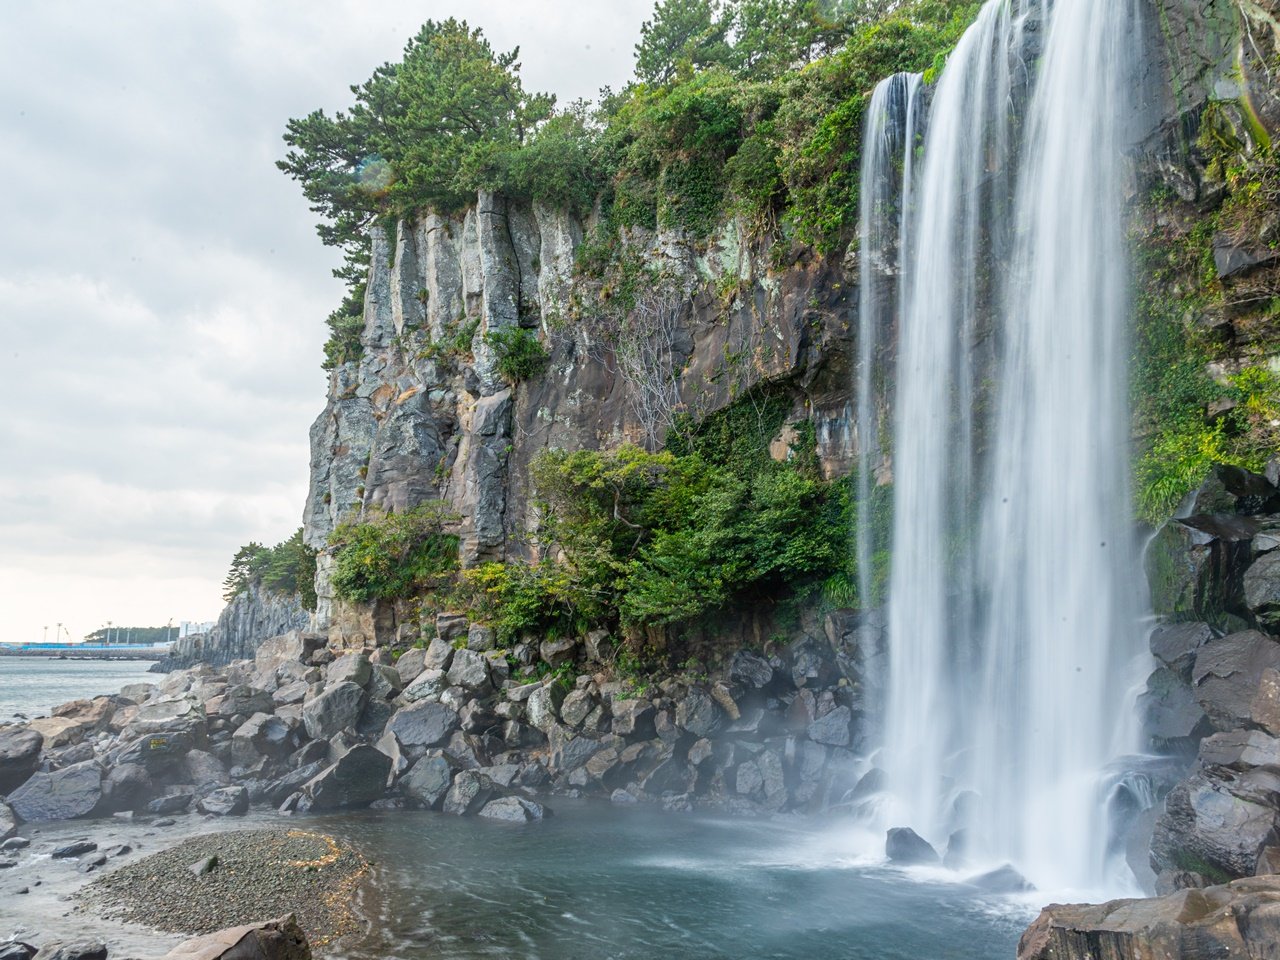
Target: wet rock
(439,655)
(1176,644)
(632,718)
(1228,673)
(1241,919)
(621,796)
(1171,716)
(1001,880)
(1262,589)
(280,939)
(358,778)
(1240,750)
(512,810)
(598,646)
(384,682)
(423,724)
(468,794)
(204,771)
(8,827)
(225,802)
(16,949)
(832,728)
(750,669)
(698,714)
(1212,828)
(177,802)
(203,867)
(337,708)
(1194,565)
(64,794)
(427,781)
(904,846)
(72,950)
(76,849)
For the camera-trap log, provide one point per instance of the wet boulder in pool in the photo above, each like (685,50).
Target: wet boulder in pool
(357,779)
(280,939)
(64,794)
(428,781)
(225,802)
(337,708)
(513,810)
(906,847)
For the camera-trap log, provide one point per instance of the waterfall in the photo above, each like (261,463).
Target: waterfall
(888,160)
(1012,607)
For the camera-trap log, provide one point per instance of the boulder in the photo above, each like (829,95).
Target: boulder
(557,651)
(1240,750)
(750,670)
(1001,880)
(1241,919)
(358,778)
(59,731)
(353,668)
(74,849)
(832,728)
(292,646)
(1227,675)
(280,939)
(543,706)
(1171,717)
(19,755)
(904,846)
(96,714)
(225,802)
(169,715)
(427,781)
(291,693)
(423,724)
(16,949)
(1194,565)
(337,708)
(470,670)
(8,822)
(468,794)
(1176,644)
(698,714)
(126,786)
(576,707)
(1262,590)
(512,810)
(439,655)
(64,794)
(481,638)
(384,682)
(1214,829)
(176,802)
(411,663)
(72,950)
(428,685)
(631,718)
(243,700)
(262,735)
(137,692)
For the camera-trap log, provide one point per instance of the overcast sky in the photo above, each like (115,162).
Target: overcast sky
(162,291)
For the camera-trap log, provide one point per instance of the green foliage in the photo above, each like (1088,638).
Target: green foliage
(142,635)
(394,556)
(287,568)
(346,326)
(519,352)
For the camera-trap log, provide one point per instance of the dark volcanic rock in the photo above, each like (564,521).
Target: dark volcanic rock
(61,795)
(75,849)
(903,845)
(832,728)
(358,778)
(337,709)
(513,810)
(469,793)
(423,724)
(1213,829)
(73,950)
(225,802)
(1262,589)
(427,781)
(19,756)
(1176,644)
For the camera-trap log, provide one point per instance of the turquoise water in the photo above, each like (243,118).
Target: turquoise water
(33,686)
(634,884)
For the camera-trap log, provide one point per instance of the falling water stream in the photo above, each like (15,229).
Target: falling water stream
(1012,599)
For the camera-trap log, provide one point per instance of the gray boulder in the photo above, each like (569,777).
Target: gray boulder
(631,718)
(353,668)
(904,846)
(470,670)
(358,778)
(1262,589)
(411,663)
(1213,829)
(280,939)
(428,685)
(468,794)
(513,810)
(832,728)
(337,708)
(8,822)
(750,669)
(175,802)
(698,714)
(19,755)
(542,709)
(72,950)
(225,802)
(427,781)
(262,735)
(1176,644)
(64,794)
(439,655)
(243,700)
(423,724)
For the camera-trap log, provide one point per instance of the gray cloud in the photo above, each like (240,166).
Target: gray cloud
(162,293)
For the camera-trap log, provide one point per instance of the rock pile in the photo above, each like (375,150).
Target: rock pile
(456,725)
(1215,698)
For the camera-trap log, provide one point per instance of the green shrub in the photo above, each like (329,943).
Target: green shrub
(519,353)
(394,556)
(287,568)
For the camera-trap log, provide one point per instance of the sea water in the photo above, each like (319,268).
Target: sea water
(33,686)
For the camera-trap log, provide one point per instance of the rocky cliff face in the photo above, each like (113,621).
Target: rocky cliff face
(250,618)
(426,415)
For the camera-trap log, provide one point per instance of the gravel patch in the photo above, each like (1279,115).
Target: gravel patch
(255,875)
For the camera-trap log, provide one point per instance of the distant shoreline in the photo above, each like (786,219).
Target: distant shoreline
(70,653)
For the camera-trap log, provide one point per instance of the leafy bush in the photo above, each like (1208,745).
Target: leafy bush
(519,353)
(394,556)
